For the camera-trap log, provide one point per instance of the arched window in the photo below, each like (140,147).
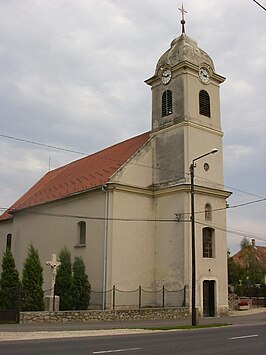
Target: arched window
(8,241)
(167,103)
(208,242)
(208,212)
(82,233)
(204,103)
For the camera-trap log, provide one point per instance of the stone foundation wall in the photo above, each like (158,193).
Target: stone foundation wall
(103,316)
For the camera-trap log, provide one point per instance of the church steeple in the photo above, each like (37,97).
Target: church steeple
(185,103)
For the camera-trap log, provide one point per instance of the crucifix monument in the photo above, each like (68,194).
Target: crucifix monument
(52,301)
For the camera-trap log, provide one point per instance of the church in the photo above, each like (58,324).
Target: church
(126,210)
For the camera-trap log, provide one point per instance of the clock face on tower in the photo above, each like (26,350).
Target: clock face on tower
(166,76)
(204,75)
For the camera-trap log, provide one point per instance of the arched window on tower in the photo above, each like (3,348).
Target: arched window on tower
(208,242)
(167,103)
(208,212)
(204,103)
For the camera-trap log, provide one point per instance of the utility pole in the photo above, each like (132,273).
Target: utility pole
(193,242)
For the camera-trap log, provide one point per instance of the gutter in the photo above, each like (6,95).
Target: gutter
(106,213)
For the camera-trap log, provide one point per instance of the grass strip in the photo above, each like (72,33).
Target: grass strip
(199,326)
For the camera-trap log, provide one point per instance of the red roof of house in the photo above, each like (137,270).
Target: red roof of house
(80,175)
(258,251)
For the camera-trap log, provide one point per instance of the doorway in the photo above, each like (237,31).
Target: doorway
(208,298)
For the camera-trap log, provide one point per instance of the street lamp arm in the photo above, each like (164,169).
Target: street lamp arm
(214,150)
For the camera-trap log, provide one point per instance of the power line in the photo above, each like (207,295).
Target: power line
(140,219)
(78,152)
(260,5)
(236,232)
(41,144)
(227,207)
(164,220)
(115,160)
(230,187)
(147,220)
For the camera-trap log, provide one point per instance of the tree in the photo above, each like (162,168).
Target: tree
(32,280)
(9,282)
(80,285)
(252,268)
(246,271)
(244,243)
(63,281)
(234,270)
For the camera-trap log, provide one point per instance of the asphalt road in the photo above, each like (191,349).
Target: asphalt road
(236,339)
(243,319)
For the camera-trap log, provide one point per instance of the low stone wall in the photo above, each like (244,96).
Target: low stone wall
(103,316)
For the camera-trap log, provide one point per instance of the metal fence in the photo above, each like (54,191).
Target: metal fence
(139,298)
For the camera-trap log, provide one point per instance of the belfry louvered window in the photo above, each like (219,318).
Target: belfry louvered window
(167,103)
(204,103)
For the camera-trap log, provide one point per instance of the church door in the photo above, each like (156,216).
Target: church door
(208,298)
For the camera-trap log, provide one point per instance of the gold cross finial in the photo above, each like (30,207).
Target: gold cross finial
(183,12)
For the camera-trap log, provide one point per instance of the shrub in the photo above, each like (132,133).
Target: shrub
(80,285)
(32,280)
(9,283)
(63,281)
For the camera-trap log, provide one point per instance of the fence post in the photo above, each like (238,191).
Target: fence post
(139,297)
(163,296)
(184,296)
(113,297)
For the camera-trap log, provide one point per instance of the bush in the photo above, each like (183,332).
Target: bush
(63,281)
(9,283)
(80,285)
(32,280)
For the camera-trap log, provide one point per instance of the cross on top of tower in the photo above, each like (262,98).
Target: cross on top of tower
(183,12)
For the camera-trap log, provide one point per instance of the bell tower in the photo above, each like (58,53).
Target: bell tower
(185,126)
(185,109)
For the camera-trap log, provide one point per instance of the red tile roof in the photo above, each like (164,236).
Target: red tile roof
(80,175)
(258,251)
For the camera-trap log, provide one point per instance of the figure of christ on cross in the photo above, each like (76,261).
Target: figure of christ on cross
(54,266)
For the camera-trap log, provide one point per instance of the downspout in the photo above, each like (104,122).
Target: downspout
(104,188)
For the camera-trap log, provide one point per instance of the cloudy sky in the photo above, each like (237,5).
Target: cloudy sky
(72,76)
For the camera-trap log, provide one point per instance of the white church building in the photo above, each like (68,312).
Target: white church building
(126,210)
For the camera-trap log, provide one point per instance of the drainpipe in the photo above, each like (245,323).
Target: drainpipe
(104,188)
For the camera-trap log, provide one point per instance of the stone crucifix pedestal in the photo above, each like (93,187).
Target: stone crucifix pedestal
(52,301)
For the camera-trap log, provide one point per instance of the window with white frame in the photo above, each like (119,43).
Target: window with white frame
(208,242)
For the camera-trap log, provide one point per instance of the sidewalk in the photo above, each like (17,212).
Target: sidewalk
(248,312)
(12,332)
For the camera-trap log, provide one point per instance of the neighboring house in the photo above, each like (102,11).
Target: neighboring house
(126,209)
(256,251)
